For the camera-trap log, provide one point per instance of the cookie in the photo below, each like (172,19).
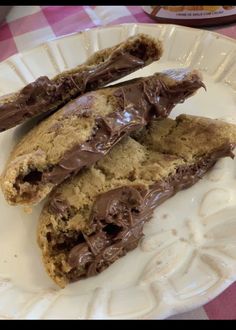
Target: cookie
(96,217)
(86,128)
(45,95)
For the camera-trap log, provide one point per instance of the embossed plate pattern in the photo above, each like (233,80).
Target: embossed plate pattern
(188,254)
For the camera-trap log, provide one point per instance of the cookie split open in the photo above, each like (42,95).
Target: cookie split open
(95,218)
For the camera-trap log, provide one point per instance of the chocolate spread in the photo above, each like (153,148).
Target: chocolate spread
(45,95)
(139,101)
(118,216)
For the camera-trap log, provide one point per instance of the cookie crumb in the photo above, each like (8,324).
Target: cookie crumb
(174,232)
(27,209)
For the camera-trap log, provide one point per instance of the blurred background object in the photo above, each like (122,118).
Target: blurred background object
(4,10)
(198,16)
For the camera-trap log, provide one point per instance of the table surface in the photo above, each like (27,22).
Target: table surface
(28,26)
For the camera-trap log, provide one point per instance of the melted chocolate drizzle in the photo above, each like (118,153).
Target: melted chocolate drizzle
(45,95)
(118,216)
(140,101)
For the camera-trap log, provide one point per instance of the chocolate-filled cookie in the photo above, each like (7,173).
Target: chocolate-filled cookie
(45,95)
(85,129)
(95,218)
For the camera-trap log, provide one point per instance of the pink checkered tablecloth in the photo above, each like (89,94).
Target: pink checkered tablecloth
(28,26)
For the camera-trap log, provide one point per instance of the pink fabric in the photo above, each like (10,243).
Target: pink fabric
(8,47)
(61,20)
(224,306)
(28,23)
(67,19)
(5,32)
(19,27)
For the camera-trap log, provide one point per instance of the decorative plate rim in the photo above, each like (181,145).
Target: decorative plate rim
(108,26)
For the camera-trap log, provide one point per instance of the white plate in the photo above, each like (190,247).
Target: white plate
(188,255)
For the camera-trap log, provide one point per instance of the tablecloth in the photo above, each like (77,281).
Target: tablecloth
(28,26)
